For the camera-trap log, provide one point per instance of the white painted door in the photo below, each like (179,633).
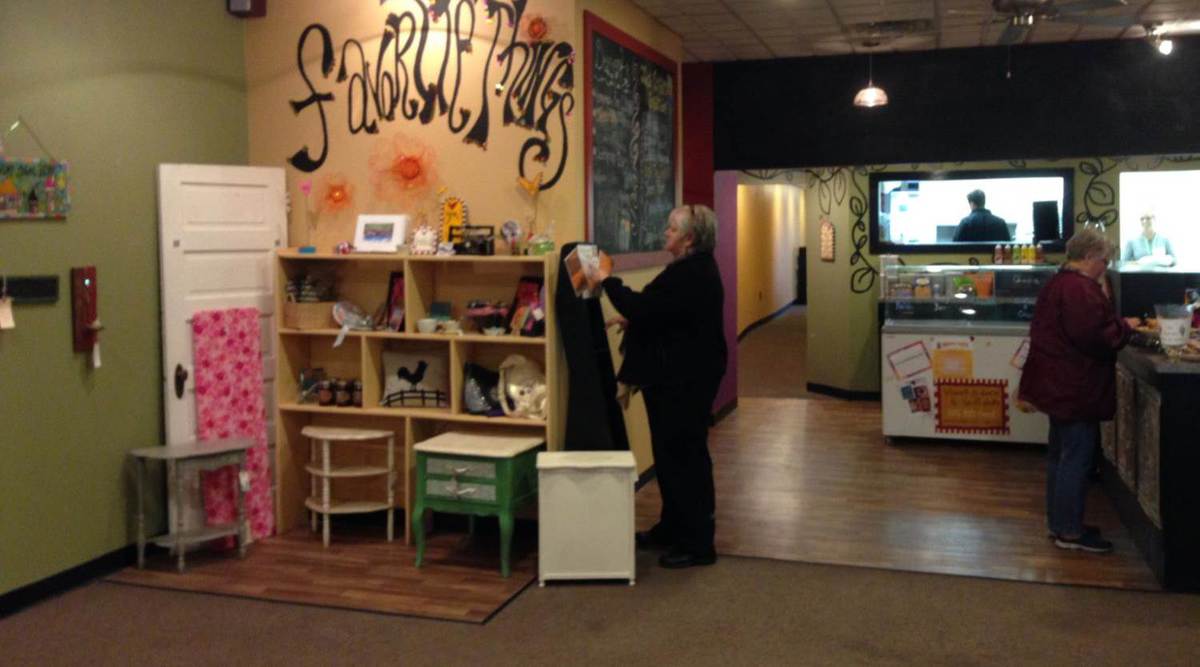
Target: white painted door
(218,229)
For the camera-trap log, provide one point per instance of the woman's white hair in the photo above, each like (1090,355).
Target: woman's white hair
(1088,242)
(701,222)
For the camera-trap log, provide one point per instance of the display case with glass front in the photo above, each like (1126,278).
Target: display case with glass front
(962,293)
(952,346)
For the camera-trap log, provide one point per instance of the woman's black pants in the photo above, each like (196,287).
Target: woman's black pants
(679,418)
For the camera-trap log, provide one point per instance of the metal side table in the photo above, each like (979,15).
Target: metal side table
(204,456)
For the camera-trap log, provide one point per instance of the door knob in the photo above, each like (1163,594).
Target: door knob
(181,377)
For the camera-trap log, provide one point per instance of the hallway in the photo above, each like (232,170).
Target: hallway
(772,357)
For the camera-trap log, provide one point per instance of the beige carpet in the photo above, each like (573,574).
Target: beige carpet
(740,611)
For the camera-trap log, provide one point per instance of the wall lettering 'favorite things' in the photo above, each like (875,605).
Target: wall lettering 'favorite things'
(530,81)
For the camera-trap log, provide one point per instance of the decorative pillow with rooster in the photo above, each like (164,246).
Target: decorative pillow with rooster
(415,379)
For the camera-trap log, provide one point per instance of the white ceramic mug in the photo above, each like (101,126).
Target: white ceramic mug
(427,325)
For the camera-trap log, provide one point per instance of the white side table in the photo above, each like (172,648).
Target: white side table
(322,472)
(585,515)
(205,456)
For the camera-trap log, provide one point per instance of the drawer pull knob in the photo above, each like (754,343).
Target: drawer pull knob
(461,471)
(464,492)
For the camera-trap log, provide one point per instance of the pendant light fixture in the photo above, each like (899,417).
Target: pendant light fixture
(872,95)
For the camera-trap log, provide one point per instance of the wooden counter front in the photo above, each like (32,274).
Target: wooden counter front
(1151,458)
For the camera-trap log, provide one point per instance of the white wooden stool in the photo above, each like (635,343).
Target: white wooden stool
(322,469)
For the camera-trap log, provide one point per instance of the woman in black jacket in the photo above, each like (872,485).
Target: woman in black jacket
(675,353)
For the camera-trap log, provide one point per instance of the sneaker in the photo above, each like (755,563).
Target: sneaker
(1087,530)
(1089,542)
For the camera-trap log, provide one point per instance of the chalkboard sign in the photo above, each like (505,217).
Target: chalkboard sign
(630,112)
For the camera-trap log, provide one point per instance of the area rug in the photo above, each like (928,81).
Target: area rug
(459,580)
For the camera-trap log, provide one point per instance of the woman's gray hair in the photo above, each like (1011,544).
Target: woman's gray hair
(701,222)
(1088,242)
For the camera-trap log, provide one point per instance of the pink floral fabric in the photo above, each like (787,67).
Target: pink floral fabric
(229,404)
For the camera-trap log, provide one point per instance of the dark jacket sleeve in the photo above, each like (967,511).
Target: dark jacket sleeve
(663,300)
(1090,322)
(675,332)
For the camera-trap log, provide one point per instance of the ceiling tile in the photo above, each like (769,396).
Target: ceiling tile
(727,29)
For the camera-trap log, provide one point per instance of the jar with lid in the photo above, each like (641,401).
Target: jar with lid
(342,393)
(325,392)
(922,289)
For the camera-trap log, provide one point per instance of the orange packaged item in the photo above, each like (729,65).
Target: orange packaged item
(983,281)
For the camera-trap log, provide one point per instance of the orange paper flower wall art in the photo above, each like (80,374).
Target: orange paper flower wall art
(334,194)
(536,28)
(401,169)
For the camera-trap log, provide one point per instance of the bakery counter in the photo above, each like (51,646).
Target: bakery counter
(1151,458)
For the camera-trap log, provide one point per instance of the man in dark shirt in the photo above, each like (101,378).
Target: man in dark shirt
(981,225)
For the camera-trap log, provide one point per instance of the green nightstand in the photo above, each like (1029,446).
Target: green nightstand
(476,475)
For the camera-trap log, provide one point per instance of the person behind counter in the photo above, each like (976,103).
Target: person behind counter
(675,352)
(980,224)
(1149,248)
(1069,375)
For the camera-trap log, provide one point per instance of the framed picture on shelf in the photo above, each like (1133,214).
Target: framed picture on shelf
(528,312)
(380,233)
(395,301)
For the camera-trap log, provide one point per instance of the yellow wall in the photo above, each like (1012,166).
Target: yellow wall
(770,228)
(485,178)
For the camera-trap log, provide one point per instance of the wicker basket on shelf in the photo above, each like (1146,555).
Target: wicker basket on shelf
(314,315)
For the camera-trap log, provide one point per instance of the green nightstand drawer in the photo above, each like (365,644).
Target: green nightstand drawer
(455,490)
(461,468)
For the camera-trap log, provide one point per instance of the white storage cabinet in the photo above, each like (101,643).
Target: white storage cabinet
(585,515)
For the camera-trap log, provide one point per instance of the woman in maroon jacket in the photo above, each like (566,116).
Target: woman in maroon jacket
(1069,375)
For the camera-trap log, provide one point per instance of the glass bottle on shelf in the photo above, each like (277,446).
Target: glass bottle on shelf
(997,255)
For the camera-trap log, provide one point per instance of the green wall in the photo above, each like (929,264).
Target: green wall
(843,340)
(114,89)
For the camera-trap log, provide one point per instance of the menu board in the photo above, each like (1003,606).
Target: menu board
(632,138)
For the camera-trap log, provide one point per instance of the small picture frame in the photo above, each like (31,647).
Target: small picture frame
(395,301)
(380,233)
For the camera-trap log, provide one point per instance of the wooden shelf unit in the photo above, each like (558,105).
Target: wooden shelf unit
(363,279)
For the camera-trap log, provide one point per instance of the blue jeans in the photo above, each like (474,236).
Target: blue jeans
(1068,462)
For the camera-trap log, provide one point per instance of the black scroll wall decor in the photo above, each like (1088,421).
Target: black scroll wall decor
(862,279)
(534,89)
(1099,196)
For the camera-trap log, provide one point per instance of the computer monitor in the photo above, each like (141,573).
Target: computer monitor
(1045,222)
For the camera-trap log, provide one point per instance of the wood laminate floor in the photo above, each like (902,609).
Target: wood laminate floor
(813,481)
(459,581)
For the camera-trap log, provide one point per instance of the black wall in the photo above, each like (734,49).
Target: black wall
(1116,97)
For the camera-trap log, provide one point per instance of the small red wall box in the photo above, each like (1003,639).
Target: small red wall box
(83,307)
(247,8)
